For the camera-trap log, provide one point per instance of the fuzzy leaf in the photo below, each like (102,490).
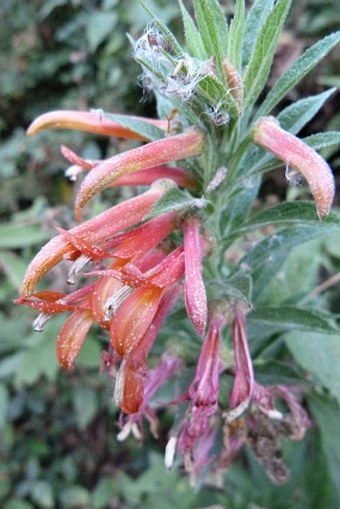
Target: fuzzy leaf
(323,140)
(295,117)
(208,17)
(293,318)
(288,212)
(254,21)
(137,126)
(264,49)
(176,200)
(297,71)
(192,36)
(267,257)
(235,40)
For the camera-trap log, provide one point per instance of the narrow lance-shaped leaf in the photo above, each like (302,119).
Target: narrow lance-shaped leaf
(264,49)
(254,21)
(297,71)
(192,36)
(235,40)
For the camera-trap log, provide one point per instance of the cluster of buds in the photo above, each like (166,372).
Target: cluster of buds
(138,275)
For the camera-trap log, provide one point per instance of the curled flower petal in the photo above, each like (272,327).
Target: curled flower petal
(268,134)
(195,296)
(72,336)
(88,121)
(187,144)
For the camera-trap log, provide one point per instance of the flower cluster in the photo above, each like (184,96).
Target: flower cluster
(147,254)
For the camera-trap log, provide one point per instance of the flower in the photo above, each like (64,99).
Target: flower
(96,230)
(194,292)
(268,134)
(194,438)
(90,121)
(173,148)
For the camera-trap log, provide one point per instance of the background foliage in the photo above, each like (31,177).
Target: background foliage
(57,442)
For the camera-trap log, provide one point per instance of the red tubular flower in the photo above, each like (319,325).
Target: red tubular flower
(203,396)
(98,229)
(91,122)
(180,146)
(243,387)
(268,134)
(195,296)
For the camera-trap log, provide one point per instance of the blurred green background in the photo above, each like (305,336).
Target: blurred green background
(58,445)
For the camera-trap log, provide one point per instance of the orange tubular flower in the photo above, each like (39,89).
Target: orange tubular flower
(72,336)
(90,122)
(137,178)
(133,319)
(180,146)
(100,228)
(296,154)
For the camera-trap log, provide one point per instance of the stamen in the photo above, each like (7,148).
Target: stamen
(170,451)
(115,301)
(72,172)
(76,268)
(39,323)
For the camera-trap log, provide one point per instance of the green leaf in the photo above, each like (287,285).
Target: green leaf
(216,94)
(98,27)
(151,132)
(317,354)
(264,49)
(103,493)
(192,36)
(239,287)
(13,236)
(14,268)
(288,212)
(210,20)
(297,71)
(295,117)
(176,200)
(326,413)
(267,257)
(293,318)
(323,140)
(254,21)
(235,40)
(85,404)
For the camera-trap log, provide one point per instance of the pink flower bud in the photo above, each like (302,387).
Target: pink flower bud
(268,134)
